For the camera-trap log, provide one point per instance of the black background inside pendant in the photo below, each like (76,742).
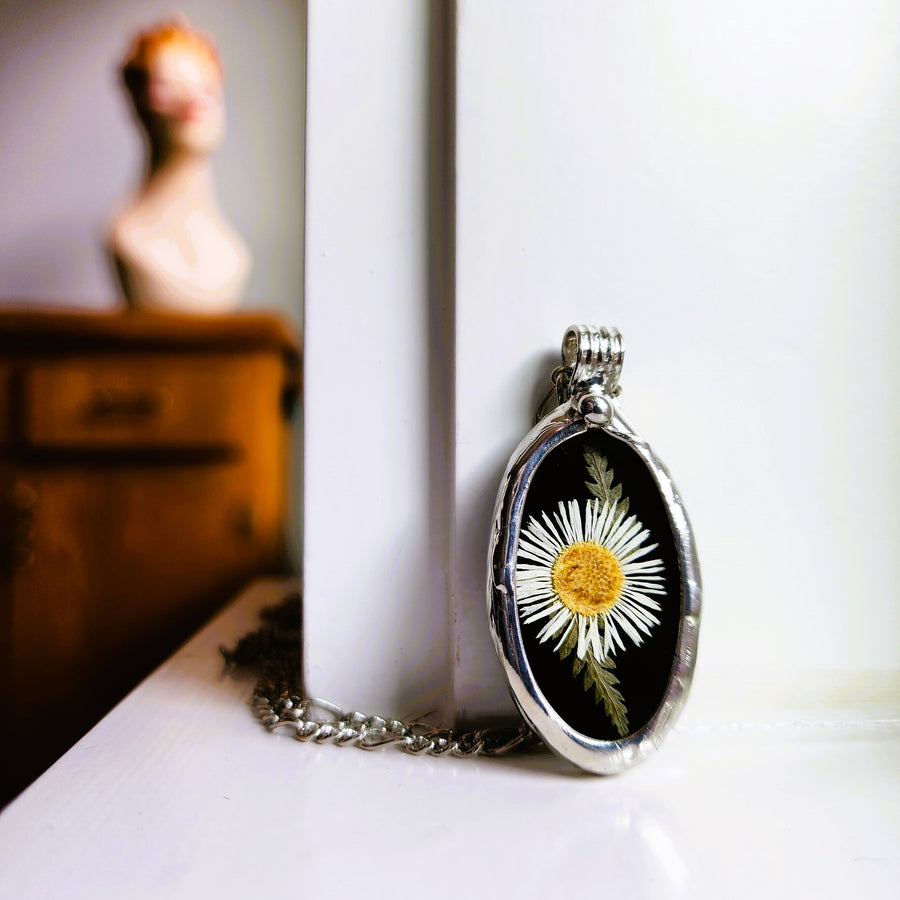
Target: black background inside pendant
(644,671)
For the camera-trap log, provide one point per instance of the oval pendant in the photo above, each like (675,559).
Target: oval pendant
(593,585)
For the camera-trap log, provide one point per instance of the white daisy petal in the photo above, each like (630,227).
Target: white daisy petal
(550,529)
(565,526)
(627,539)
(536,547)
(540,558)
(594,638)
(590,516)
(532,604)
(616,638)
(604,523)
(529,590)
(551,627)
(647,587)
(616,527)
(536,603)
(647,565)
(650,578)
(644,600)
(539,575)
(582,637)
(533,583)
(537,615)
(565,635)
(637,553)
(533,601)
(644,619)
(546,535)
(624,622)
(607,639)
(575,521)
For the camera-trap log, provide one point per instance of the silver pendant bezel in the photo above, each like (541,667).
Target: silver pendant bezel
(563,423)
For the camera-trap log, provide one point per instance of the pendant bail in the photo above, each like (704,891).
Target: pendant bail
(589,375)
(594,356)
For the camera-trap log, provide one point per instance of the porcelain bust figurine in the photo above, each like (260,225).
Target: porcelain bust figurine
(173,248)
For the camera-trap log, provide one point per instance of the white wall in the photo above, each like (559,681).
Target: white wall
(376,530)
(721,181)
(69,152)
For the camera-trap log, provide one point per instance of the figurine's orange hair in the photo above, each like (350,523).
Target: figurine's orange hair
(148,43)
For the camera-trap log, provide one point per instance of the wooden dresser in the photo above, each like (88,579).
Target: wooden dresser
(144,478)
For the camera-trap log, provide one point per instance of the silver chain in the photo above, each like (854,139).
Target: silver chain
(317,720)
(279,702)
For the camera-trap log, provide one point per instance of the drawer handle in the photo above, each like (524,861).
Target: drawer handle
(108,403)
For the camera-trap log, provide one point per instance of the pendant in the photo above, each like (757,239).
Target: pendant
(594,584)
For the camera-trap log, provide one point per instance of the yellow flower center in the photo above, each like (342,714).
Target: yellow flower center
(587,578)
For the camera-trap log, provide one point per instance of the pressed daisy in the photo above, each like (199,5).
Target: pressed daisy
(588,572)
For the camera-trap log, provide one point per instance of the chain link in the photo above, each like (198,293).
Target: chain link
(279,703)
(304,715)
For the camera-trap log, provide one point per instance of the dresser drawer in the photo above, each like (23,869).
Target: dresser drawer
(152,401)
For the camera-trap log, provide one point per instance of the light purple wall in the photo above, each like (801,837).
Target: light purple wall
(69,152)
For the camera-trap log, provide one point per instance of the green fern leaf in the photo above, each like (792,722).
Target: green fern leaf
(600,475)
(599,675)
(600,482)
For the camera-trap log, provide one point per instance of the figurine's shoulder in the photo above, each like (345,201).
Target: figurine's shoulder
(128,230)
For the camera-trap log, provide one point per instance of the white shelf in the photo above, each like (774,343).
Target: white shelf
(178,792)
